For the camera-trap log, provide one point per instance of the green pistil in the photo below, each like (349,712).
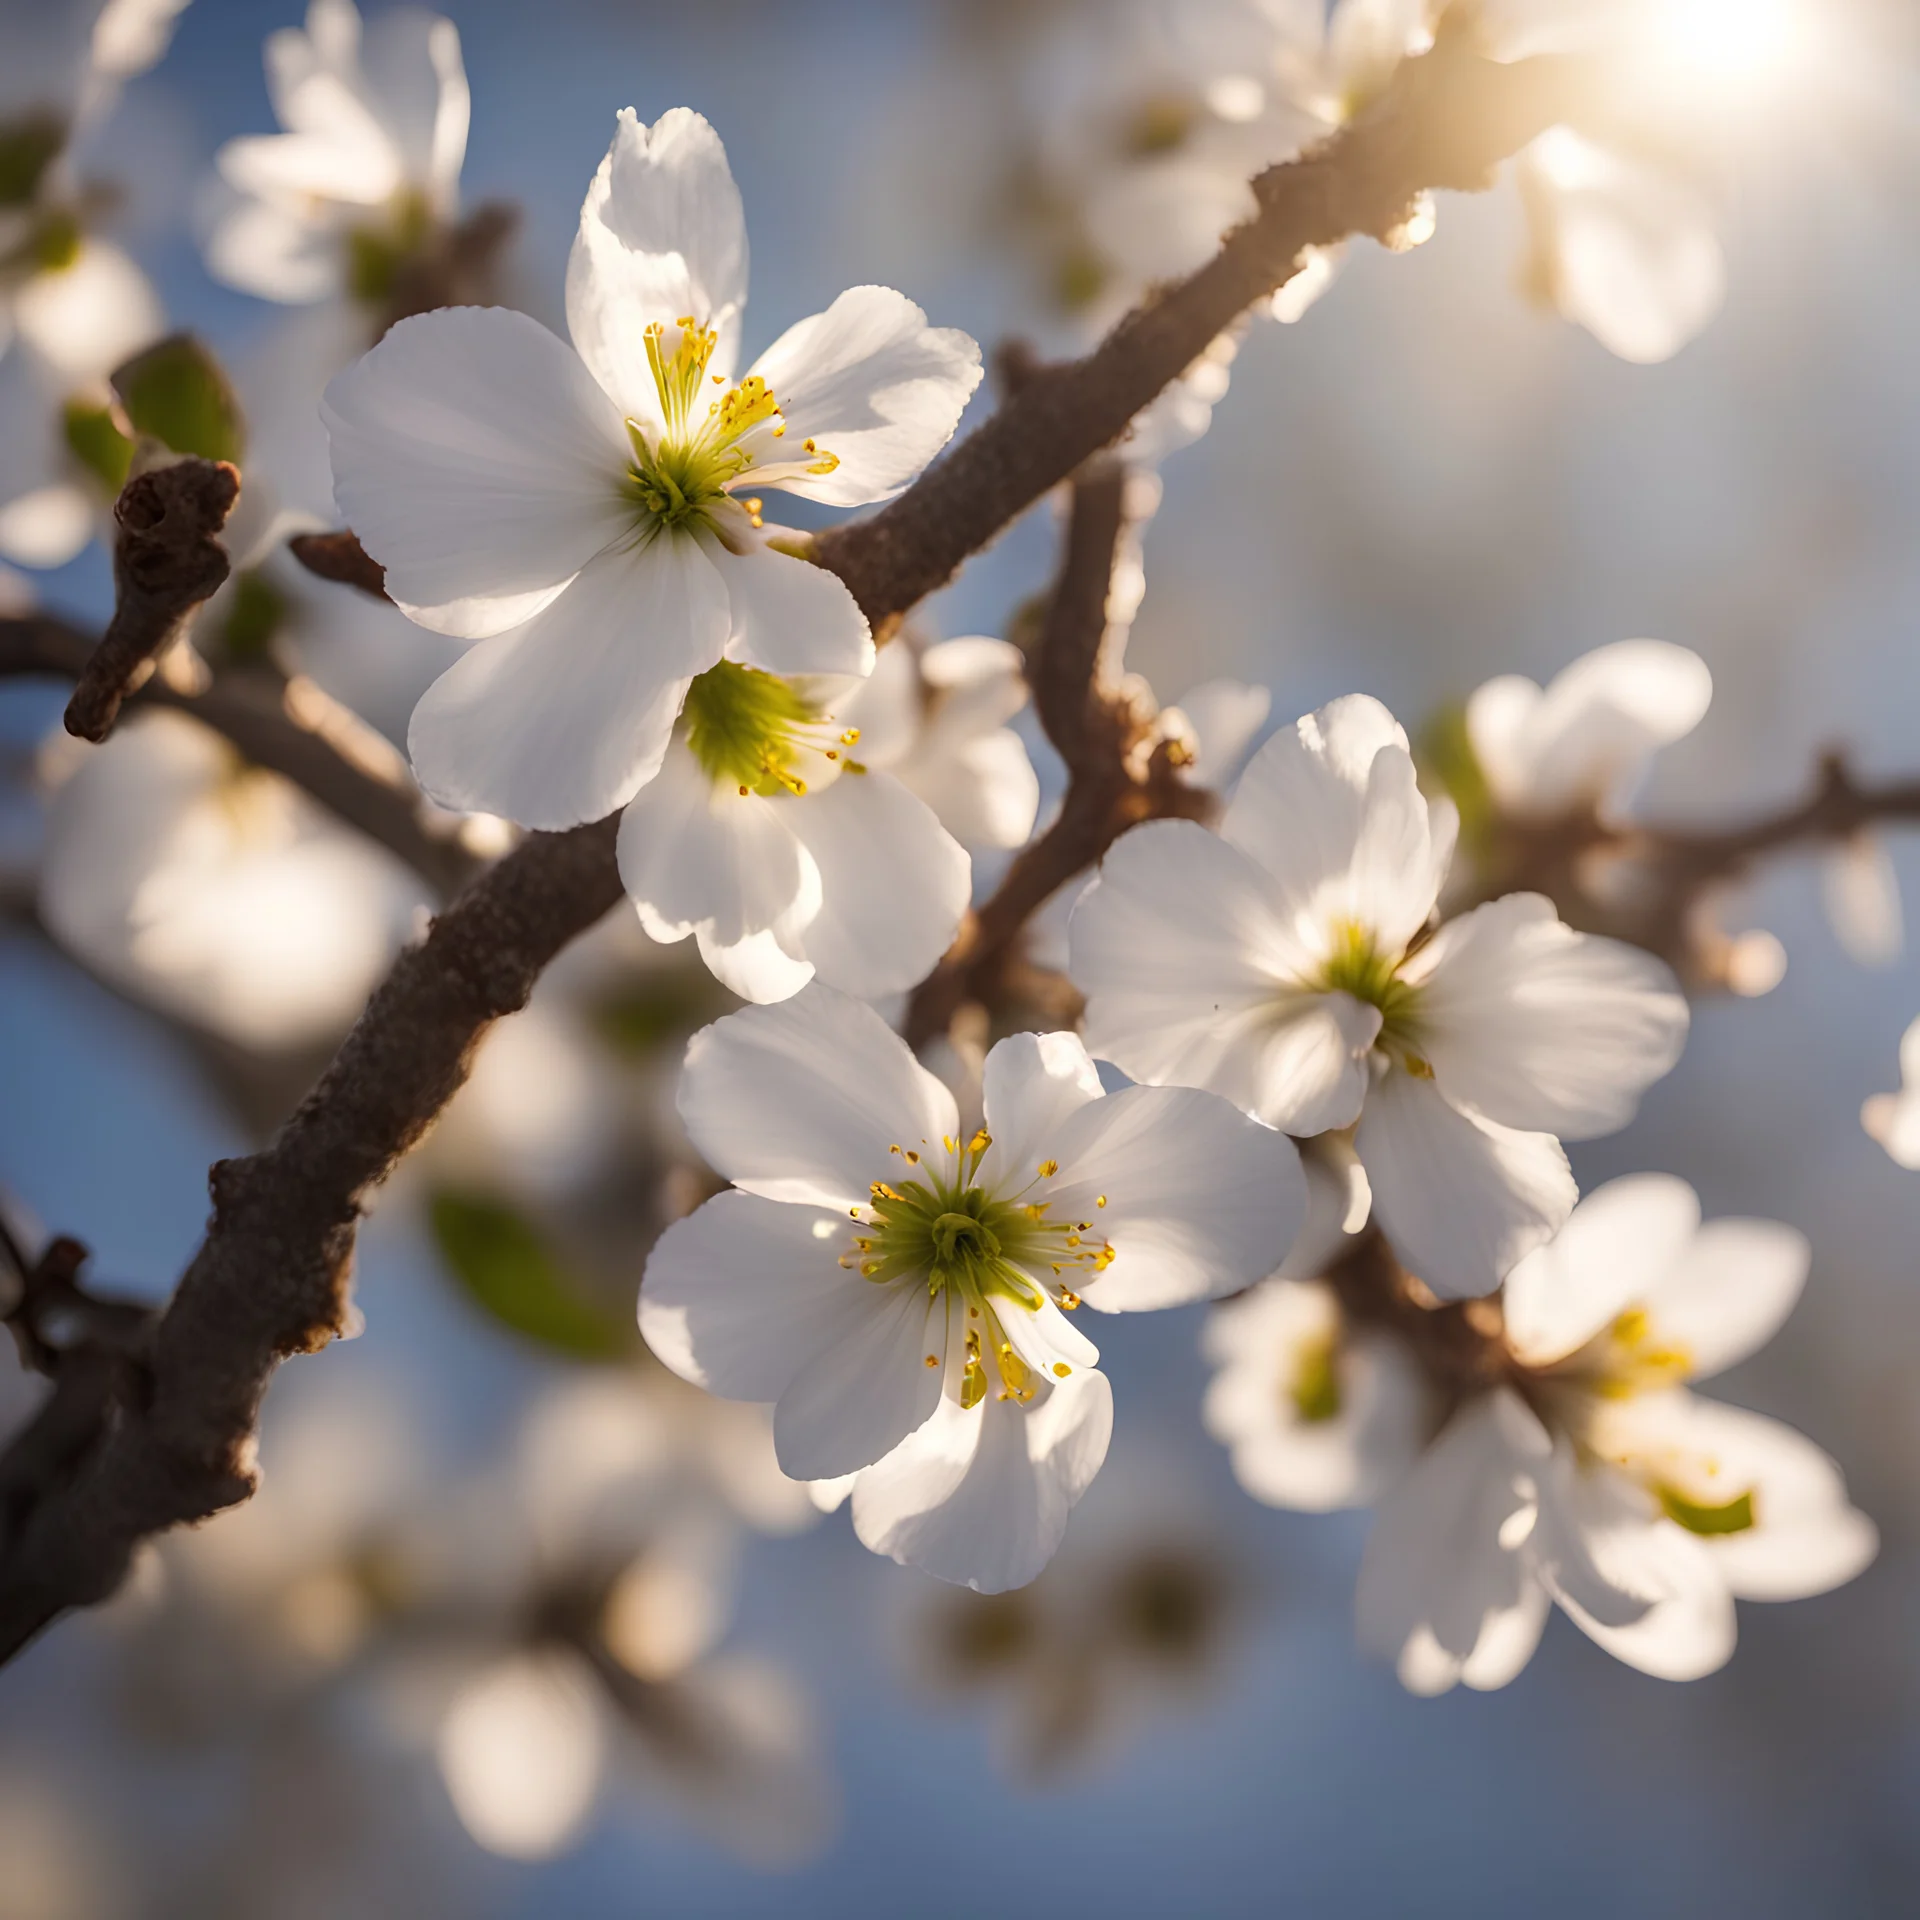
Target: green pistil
(377,254)
(1357,967)
(741,725)
(1736,1516)
(680,482)
(1315,1388)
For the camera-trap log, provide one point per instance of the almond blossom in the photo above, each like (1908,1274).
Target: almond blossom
(1893,1119)
(217,890)
(368,164)
(589,512)
(1595,1479)
(783,854)
(1588,737)
(905,1295)
(1287,962)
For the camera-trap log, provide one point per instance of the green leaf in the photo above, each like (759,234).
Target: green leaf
(28,147)
(94,438)
(177,392)
(660,1010)
(1446,758)
(507,1270)
(258,609)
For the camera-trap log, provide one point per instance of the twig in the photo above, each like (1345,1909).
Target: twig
(250,710)
(1103,731)
(166,563)
(1645,882)
(270,1278)
(341,558)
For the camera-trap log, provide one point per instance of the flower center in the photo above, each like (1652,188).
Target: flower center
(754,730)
(684,473)
(1632,1361)
(943,1230)
(1355,965)
(378,252)
(1314,1390)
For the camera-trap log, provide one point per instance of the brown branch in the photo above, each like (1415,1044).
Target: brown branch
(1646,883)
(341,558)
(1103,731)
(270,1278)
(1447,120)
(167,562)
(250,710)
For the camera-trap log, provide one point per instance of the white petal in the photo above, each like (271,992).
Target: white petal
(1462,1200)
(1339,1205)
(983,790)
(1631,250)
(478,463)
(1542,1028)
(1317,1464)
(1441,1588)
(274,253)
(1200,1200)
(886,707)
(741,1294)
(418,83)
(871,383)
(1298,808)
(894,884)
(758,968)
(1682,1621)
(1046,1339)
(1225,715)
(1031,1084)
(695,852)
(1806,1537)
(84,319)
(1190,974)
(522,1751)
(1164,218)
(1729,1292)
(802,1101)
(1589,735)
(663,237)
(790,616)
(860,1394)
(1619,1248)
(981,1496)
(1862,894)
(564,719)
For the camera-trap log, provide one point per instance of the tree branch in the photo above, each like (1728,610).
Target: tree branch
(1116,776)
(270,1278)
(251,711)
(167,562)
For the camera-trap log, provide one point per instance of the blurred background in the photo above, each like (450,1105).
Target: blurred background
(326,1705)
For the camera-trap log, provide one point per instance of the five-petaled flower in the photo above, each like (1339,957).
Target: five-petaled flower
(590,514)
(1595,1479)
(904,1293)
(1288,963)
(368,166)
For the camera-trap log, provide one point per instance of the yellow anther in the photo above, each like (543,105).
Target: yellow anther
(1048,1168)
(1069,1299)
(1073,1239)
(1061,1369)
(932,1361)
(1102,1201)
(980,1142)
(743,793)
(851,738)
(947,1140)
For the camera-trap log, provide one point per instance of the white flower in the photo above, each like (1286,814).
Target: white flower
(936,719)
(1587,739)
(1894,1118)
(583,511)
(368,164)
(1284,963)
(216,890)
(1861,893)
(1220,720)
(903,1295)
(1317,1414)
(1596,1480)
(785,856)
